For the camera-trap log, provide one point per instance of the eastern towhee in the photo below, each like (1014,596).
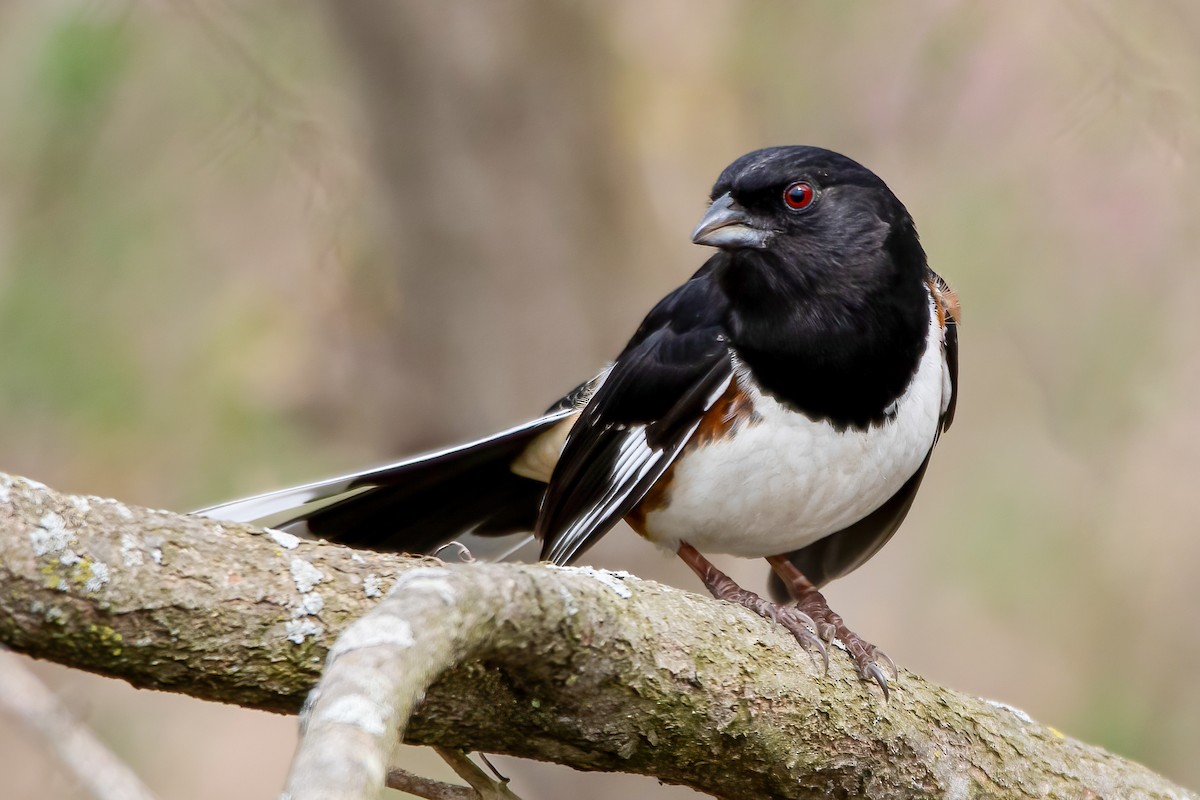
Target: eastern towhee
(782,403)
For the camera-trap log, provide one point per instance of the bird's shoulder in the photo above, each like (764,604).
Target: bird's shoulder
(675,347)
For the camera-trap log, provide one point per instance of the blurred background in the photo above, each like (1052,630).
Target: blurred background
(249,244)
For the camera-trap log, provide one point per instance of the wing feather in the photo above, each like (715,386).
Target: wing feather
(675,368)
(635,468)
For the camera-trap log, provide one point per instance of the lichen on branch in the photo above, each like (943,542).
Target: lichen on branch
(596,670)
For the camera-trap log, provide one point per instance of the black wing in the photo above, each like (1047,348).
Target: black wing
(648,406)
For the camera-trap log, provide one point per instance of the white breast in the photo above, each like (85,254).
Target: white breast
(785,481)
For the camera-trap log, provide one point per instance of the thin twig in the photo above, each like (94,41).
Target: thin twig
(25,698)
(405,781)
(486,787)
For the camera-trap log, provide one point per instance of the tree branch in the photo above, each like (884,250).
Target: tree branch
(592,669)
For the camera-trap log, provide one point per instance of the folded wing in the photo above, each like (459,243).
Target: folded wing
(673,370)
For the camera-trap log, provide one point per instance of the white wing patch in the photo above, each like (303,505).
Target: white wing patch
(635,460)
(635,468)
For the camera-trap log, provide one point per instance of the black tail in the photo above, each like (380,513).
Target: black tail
(416,505)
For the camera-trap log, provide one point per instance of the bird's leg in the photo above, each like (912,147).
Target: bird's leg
(722,587)
(830,625)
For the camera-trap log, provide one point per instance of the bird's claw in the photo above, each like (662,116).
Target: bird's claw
(873,672)
(878,654)
(866,656)
(867,661)
(804,629)
(464,554)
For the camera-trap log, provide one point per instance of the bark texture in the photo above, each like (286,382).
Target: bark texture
(596,670)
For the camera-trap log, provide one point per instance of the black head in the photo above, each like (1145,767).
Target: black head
(825,280)
(811,210)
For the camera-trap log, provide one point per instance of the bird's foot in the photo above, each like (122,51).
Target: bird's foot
(830,625)
(793,619)
(868,659)
(796,622)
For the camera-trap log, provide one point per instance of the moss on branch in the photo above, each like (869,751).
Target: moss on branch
(592,669)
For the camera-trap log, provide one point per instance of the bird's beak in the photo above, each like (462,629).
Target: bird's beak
(728,225)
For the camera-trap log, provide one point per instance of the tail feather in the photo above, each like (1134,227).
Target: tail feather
(415,505)
(436,506)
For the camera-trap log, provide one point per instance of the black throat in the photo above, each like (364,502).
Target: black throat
(835,342)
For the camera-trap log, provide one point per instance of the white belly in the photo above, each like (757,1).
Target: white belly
(784,481)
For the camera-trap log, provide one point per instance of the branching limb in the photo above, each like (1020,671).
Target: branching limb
(587,668)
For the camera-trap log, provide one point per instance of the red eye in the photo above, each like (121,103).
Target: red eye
(799,196)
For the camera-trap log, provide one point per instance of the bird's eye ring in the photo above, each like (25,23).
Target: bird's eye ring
(799,196)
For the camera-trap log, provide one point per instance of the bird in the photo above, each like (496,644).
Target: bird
(782,403)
